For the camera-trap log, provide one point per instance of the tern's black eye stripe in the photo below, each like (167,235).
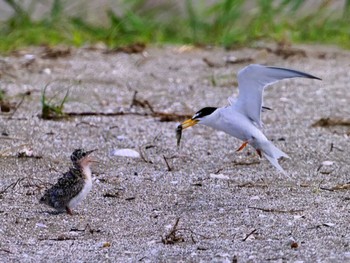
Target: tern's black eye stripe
(204,112)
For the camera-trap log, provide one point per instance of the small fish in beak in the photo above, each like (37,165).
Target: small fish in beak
(186,124)
(178,134)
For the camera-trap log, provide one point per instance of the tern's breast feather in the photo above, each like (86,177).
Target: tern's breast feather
(236,124)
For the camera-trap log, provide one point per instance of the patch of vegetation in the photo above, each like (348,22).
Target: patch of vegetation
(228,23)
(2,95)
(5,104)
(51,109)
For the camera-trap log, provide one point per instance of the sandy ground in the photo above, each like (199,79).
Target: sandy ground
(230,206)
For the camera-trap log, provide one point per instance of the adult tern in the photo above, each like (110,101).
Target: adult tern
(241,119)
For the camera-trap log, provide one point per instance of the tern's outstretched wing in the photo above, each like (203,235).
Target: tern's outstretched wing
(251,83)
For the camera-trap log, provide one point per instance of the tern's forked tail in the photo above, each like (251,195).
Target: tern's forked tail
(272,153)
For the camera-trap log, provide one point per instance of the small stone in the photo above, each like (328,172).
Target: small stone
(25,152)
(230,59)
(327,163)
(106,244)
(29,57)
(47,71)
(294,245)
(219,176)
(125,153)
(298,217)
(41,225)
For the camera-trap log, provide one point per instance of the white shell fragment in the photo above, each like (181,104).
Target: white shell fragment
(327,163)
(46,71)
(41,225)
(29,57)
(25,152)
(125,153)
(219,176)
(230,59)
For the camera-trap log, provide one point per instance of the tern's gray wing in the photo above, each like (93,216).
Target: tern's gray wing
(251,83)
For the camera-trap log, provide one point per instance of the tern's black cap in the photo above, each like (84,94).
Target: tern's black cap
(203,112)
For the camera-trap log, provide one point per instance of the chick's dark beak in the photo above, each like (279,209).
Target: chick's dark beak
(89,159)
(89,152)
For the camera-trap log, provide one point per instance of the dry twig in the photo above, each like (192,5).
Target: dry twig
(249,185)
(59,238)
(245,163)
(329,122)
(6,250)
(167,164)
(248,235)
(111,195)
(19,103)
(87,227)
(13,185)
(163,116)
(172,238)
(143,157)
(272,210)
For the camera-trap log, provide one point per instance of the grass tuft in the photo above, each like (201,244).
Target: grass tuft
(50,109)
(227,23)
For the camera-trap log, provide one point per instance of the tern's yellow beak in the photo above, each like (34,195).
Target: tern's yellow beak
(189,123)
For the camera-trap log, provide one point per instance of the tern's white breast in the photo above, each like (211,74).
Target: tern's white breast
(86,189)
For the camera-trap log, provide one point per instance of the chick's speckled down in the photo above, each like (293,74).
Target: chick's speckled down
(64,190)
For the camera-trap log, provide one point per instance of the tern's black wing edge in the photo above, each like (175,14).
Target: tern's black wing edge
(300,73)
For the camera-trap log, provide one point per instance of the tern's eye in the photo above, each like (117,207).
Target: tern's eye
(204,112)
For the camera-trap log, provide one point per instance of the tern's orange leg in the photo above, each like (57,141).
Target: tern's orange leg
(242,146)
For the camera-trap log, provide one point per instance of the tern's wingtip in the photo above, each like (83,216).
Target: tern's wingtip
(313,77)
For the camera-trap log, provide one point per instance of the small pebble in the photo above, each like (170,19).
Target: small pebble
(29,56)
(219,176)
(41,225)
(125,153)
(47,71)
(327,163)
